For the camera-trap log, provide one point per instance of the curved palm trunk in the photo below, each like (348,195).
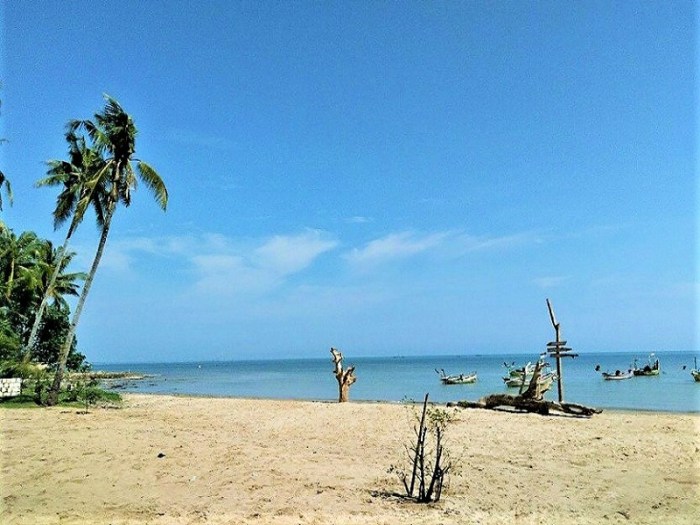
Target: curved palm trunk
(10,280)
(45,301)
(52,398)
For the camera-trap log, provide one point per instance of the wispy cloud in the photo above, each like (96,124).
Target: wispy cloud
(222,265)
(551,281)
(471,243)
(284,255)
(395,246)
(407,244)
(358,219)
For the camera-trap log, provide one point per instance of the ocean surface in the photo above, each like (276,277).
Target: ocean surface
(410,378)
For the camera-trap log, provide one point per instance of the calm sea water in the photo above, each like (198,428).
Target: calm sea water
(410,378)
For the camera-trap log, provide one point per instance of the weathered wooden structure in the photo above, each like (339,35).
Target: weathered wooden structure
(531,400)
(558,349)
(345,377)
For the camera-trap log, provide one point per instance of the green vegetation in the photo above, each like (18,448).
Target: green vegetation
(113,136)
(37,327)
(80,397)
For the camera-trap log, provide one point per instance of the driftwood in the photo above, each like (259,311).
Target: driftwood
(543,407)
(345,377)
(529,401)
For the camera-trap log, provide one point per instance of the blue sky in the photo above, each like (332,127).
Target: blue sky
(384,177)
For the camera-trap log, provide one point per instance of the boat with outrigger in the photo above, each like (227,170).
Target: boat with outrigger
(652,368)
(695,372)
(521,376)
(618,375)
(457,379)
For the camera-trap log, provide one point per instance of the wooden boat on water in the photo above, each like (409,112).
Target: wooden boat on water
(517,376)
(652,368)
(513,371)
(458,379)
(545,381)
(618,375)
(695,372)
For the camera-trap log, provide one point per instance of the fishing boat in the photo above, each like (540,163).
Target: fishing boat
(458,379)
(652,368)
(514,371)
(695,372)
(517,376)
(618,375)
(545,381)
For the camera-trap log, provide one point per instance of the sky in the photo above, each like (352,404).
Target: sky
(388,178)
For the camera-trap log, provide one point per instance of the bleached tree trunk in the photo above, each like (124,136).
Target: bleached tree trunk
(345,377)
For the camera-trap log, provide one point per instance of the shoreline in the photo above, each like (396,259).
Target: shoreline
(379,401)
(172,459)
(379,380)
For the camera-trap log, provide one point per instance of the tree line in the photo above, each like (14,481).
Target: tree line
(100,173)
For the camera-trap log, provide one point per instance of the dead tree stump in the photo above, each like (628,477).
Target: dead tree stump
(345,377)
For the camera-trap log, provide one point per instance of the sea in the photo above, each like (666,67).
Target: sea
(410,378)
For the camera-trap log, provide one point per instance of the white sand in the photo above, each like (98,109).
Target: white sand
(231,461)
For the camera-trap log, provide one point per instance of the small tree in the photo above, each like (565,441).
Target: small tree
(428,458)
(345,377)
(89,393)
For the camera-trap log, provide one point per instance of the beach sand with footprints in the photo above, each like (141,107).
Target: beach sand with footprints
(185,460)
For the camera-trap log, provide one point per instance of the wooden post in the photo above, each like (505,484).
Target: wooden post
(558,349)
(557,340)
(345,377)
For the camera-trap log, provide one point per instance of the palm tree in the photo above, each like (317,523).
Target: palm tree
(4,183)
(17,256)
(55,261)
(76,175)
(113,134)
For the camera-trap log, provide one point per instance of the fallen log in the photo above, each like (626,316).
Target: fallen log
(538,406)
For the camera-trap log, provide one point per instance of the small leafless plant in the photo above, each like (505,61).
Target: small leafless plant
(428,458)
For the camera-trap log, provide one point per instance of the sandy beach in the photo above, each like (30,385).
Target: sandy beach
(178,460)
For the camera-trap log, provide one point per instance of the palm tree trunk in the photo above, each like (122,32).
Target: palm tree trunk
(45,300)
(52,398)
(10,280)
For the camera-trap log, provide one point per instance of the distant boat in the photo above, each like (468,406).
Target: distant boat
(545,381)
(514,371)
(617,375)
(695,372)
(459,379)
(517,376)
(652,368)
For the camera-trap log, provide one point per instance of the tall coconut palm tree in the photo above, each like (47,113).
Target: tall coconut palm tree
(5,184)
(76,175)
(17,255)
(113,134)
(50,284)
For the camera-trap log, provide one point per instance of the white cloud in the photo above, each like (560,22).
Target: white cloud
(224,268)
(395,246)
(290,254)
(472,243)
(221,265)
(358,219)
(407,244)
(552,281)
